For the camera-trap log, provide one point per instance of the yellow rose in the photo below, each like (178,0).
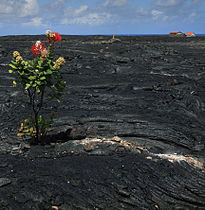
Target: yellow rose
(19,59)
(59,62)
(16,53)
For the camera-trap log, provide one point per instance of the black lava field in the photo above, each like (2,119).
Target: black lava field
(129,130)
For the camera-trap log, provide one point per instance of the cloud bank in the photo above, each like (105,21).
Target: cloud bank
(110,14)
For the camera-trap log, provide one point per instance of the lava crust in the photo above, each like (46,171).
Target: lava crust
(129,131)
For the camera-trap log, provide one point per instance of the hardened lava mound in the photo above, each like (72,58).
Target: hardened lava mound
(128,133)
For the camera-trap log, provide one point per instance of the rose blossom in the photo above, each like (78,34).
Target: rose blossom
(38,43)
(48,32)
(54,37)
(44,54)
(37,48)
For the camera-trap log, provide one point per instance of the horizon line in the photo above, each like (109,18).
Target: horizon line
(117,34)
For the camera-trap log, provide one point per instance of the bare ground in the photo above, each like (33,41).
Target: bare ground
(129,131)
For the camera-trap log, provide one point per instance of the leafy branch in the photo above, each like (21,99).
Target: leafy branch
(36,76)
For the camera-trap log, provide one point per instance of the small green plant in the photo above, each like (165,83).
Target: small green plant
(36,77)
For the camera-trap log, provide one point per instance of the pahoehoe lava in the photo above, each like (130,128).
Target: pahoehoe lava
(129,131)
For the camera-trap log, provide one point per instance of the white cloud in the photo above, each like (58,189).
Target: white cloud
(168,3)
(89,19)
(55,12)
(36,21)
(142,12)
(115,3)
(55,7)
(156,14)
(71,12)
(81,9)
(177,11)
(58,2)
(21,8)
(29,8)
(6,8)
(85,15)
(24,12)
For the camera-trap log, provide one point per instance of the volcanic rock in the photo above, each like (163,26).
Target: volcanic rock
(4,181)
(129,131)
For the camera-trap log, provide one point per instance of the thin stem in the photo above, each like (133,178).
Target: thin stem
(35,113)
(36,125)
(30,96)
(41,100)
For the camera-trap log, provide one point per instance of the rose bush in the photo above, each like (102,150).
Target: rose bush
(36,76)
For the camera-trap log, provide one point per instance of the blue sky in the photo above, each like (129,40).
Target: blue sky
(101,16)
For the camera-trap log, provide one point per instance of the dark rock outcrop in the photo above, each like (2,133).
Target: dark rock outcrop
(129,131)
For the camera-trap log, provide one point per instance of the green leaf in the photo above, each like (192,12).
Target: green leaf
(14,83)
(14,67)
(10,71)
(21,73)
(27,86)
(40,62)
(43,78)
(38,89)
(55,87)
(32,77)
(14,62)
(49,71)
(41,120)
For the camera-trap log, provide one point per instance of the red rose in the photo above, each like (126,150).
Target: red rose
(37,48)
(54,37)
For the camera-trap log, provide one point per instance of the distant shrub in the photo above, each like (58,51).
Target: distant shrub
(36,76)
